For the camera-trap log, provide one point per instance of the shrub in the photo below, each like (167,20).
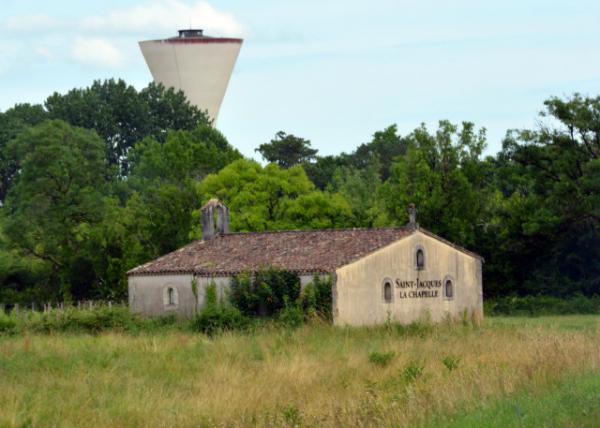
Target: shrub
(451,362)
(217,317)
(79,320)
(264,293)
(316,297)
(381,359)
(7,324)
(542,305)
(412,371)
(414,329)
(292,316)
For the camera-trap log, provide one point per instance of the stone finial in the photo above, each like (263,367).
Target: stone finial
(215,219)
(412,216)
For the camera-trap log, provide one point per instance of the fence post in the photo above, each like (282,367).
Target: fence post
(62,305)
(91,303)
(79,304)
(17,308)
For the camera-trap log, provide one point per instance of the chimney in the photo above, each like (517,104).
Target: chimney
(412,217)
(215,219)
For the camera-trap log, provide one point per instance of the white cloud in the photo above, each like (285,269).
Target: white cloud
(96,51)
(45,52)
(31,23)
(108,39)
(165,16)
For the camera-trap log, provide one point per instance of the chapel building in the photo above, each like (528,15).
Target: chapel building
(398,274)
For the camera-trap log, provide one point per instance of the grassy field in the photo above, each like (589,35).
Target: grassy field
(534,372)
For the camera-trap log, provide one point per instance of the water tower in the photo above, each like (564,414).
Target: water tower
(198,65)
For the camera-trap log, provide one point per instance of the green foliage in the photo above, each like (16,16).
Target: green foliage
(547,239)
(381,359)
(253,194)
(441,174)
(412,371)
(8,324)
(414,329)
(264,293)
(163,186)
(74,320)
(216,316)
(287,150)
(122,116)
(542,305)
(57,198)
(385,147)
(273,198)
(362,188)
(82,207)
(12,122)
(291,316)
(292,416)
(451,362)
(316,297)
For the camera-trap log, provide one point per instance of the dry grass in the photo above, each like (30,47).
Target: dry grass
(317,375)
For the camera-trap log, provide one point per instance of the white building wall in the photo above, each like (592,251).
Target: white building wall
(147,294)
(358,290)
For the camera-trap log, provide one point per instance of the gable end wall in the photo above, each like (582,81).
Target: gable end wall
(359,285)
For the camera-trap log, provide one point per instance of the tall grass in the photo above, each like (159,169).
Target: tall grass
(82,320)
(269,375)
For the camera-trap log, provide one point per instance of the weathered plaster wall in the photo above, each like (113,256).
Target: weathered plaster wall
(358,290)
(147,293)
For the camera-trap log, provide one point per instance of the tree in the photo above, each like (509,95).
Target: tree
(362,189)
(287,150)
(382,150)
(273,198)
(550,242)
(443,176)
(12,123)
(162,187)
(57,198)
(122,116)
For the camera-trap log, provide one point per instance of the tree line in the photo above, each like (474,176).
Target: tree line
(101,179)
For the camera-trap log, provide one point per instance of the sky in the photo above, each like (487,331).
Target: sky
(330,71)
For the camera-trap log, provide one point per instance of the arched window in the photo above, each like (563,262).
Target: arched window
(448,289)
(388,293)
(420,259)
(170,297)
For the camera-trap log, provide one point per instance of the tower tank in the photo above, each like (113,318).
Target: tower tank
(199,65)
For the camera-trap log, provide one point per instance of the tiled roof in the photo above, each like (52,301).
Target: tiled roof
(299,251)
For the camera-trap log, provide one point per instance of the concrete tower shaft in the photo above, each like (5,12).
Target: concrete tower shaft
(199,65)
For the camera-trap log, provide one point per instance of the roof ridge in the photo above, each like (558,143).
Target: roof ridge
(343,229)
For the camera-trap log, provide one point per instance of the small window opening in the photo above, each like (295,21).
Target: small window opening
(171,296)
(448,289)
(420,259)
(387,291)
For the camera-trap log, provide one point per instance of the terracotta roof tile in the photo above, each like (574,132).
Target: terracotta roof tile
(298,251)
